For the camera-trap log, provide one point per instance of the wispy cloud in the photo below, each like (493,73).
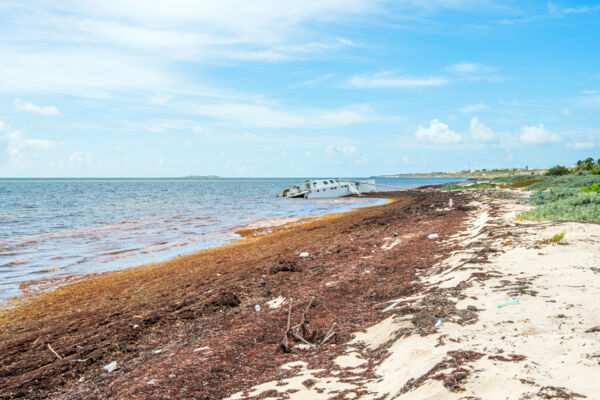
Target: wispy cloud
(385,80)
(24,106)
(16,145)
(472,108)
(345,153)
(581,145)
(262,116)
(474,71)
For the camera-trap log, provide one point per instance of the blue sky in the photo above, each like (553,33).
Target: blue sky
(144,88)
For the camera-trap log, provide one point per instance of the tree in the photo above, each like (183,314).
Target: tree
(558,171)
(586,165)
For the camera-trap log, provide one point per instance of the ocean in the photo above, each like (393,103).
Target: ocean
(52,229)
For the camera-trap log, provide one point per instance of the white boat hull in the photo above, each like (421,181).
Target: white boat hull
(329,188)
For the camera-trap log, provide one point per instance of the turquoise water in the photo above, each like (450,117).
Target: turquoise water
(58,227)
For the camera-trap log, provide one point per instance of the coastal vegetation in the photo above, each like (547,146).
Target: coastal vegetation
(562,193)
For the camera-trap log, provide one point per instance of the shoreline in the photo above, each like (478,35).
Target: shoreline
(191,328)
(35,286)
(124,315)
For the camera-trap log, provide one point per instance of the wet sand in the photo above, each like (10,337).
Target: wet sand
(188,328)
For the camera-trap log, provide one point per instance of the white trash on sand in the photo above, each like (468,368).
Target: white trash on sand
(110,367)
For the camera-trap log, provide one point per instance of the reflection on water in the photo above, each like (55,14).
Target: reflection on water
(54,228)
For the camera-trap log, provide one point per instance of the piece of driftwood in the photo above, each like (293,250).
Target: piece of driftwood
(285,346)
(52,350)
(329,334)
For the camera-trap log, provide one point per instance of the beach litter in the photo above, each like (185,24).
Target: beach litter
(395,234)
(433,236)
(276,302)
(304,254)
(450,203)
(439,322)
(151,382)
(257,308)
(157,351)
(511,302)
(110,367)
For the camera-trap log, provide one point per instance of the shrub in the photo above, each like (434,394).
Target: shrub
(558,170)
(554,239)
(595,170)
(593,188)
(568,181)
(565,204)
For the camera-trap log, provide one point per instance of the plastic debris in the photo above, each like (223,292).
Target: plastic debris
(394,304)
(257,308)
(305,254)
(81,379)
(511,302)
(395,234)
(110,367)
(450,203)
(507,243)
(439,323)
(433,236)
(151,382)
(519,219)
(157,351)
(136,326)
(201,348)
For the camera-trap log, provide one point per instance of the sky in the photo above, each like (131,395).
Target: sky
(236,88)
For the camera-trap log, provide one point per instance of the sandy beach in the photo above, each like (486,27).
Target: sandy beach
(381,311)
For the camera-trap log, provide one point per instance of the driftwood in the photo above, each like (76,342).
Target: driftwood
(52,350)
(302,331)
(285,346)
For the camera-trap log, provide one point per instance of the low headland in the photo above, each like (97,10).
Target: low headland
(478,290)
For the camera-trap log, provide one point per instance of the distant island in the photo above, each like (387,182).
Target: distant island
(202,177)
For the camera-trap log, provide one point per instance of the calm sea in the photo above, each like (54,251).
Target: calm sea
(53,228)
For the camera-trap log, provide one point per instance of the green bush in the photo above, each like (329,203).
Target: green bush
(595,170)
(558,170)
(593,188)
(565,204)
(568,181)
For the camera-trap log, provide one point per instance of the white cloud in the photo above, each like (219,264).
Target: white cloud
(81,157)
(17,146)
(590,91)
(581,145)
(381,81)
(538,135)
(565,111)
(480,132)
(251,115)
(345,153)
(466,68)
(160,162)
(471,108)
(437,132)
(260,116)
(474,72)
(24,106)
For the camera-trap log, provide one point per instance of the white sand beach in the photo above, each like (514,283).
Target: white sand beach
(545,347)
